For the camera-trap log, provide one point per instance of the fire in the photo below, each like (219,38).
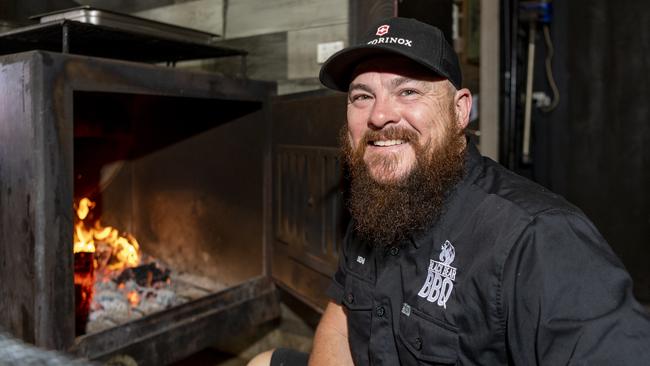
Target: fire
(120,251)
(133,297)
(99,253)
(83,239)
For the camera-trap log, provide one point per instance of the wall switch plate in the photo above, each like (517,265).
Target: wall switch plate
(327,49)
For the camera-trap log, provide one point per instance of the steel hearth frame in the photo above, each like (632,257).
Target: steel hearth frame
(36,219)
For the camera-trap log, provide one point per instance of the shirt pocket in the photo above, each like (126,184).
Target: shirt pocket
(423,340)
(357,300)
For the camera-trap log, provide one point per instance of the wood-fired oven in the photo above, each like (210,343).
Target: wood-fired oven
(180,160)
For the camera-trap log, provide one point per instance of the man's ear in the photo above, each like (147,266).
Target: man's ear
(463,106)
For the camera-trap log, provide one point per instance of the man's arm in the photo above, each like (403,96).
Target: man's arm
(569,299)
(331,345)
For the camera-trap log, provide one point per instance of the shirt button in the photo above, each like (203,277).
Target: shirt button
(350,298)
(394,251)
(417,343)
(380,311)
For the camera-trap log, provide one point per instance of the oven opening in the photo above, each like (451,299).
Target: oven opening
(153,217)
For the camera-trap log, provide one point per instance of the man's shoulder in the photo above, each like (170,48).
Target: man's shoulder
(519,193)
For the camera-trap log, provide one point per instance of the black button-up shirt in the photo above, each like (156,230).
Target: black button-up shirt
(509,274)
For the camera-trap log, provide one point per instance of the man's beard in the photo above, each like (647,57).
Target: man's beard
(388,213)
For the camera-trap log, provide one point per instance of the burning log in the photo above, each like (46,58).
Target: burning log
(84,280)
(144,275)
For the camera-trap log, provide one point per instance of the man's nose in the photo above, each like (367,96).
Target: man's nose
(383,113)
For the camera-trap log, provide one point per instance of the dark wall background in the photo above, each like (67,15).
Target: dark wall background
(595,147)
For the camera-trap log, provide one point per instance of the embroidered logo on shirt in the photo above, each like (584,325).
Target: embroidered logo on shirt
(406,309)
(441,275)
(361,259)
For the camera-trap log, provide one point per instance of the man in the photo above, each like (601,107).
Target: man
(452,259)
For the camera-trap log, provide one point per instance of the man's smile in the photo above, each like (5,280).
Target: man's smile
(386,142)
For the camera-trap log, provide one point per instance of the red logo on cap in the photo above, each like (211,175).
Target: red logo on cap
(382,30)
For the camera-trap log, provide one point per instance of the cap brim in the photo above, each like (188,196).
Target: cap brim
(337,71)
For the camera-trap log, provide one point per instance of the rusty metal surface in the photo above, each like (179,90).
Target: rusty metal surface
(308,204)
(129,23)
(38,122)
(308,213)
(36,291)
(171,335)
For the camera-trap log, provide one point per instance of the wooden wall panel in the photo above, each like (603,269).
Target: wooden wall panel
(266,59)
(252,17)
(302,46)
(291,86)
(205,15)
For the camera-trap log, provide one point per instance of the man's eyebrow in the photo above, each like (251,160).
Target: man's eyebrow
(359,86)
(403,80)
(395,83)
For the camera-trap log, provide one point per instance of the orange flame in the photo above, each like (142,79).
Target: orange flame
(83,239)
(124,250)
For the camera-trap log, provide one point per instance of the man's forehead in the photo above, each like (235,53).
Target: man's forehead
(397,65)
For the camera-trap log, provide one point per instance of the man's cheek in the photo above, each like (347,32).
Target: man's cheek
(357,146)
(351,140)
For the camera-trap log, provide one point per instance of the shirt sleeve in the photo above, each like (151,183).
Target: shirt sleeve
(568,299)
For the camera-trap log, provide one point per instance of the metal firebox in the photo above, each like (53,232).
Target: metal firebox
(194,184)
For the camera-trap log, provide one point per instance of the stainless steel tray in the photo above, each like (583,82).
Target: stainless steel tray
(107,18)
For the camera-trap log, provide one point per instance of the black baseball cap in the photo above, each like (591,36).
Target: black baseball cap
(420,42)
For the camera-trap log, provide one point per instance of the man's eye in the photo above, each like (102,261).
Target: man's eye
(360,97)
(407,92)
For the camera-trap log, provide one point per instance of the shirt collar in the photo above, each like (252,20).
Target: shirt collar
(472,169)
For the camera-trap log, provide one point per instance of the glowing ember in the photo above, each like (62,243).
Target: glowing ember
(134,298)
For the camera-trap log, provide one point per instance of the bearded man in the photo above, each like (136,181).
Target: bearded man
(451,258)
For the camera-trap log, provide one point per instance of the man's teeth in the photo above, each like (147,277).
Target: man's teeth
(387,142)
